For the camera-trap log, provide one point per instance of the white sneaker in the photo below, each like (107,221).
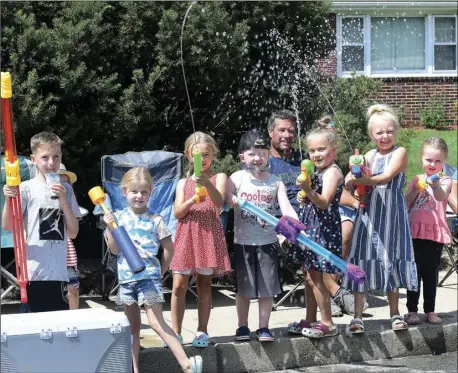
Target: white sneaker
(196,364)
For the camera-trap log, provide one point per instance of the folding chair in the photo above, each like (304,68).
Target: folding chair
(166,169)
(27,171)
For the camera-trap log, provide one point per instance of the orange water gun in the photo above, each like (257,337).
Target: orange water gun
(422,183)
(358,168)
(306,173)
(13,178)
(200,191)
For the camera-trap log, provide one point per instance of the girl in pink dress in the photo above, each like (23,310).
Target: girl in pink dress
(200,245)
(428,224)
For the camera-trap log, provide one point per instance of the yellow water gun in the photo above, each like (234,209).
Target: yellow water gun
(307,170)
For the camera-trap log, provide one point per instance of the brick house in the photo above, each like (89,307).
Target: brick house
(410,46)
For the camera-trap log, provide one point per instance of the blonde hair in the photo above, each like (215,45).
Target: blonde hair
(325,126)
(383,112)
(136,175)
(44,139)
(437,143)
(199,138)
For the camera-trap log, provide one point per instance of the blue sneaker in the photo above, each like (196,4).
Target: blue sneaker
(264,335)
(242,334)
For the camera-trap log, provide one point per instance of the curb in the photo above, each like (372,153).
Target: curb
(292,352)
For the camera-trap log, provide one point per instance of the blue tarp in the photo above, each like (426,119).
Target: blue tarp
(166,168)
(26,168)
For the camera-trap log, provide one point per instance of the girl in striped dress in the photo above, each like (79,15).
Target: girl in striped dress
(382,242)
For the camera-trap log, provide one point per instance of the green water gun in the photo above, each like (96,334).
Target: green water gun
(200,190)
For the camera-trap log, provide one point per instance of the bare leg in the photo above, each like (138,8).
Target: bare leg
(73,297)
(133,315)
(393,300)
(323,299)
(265,309)
(243,307)
(311,305)
(330,281)
(359,304)
(157,323)
(204,291)
(178,300)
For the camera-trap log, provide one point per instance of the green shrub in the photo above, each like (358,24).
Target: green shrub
(433,115)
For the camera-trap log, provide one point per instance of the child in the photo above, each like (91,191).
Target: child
(47,224)
(199,240)
(382,243)
(72,260)
(428,224)
(321,216)
(256,244)
(147,231)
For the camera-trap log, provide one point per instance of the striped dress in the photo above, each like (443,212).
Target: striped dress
(382,243)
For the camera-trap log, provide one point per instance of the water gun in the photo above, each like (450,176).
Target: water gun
(13,178)
(358,168)
(422,183)
(120,235)
(307,170)
(200,190)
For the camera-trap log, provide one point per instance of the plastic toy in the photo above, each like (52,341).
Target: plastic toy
(358,168)
(201,192)
(307,170)
(13,178)
(422,183)
(120,234)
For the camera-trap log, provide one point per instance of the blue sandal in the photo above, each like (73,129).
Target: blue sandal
(200,340)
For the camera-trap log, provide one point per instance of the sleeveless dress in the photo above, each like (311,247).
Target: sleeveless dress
(382,242)
(323,226)
(199,239)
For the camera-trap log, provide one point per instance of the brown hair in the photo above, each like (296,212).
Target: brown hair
(136,175)
(435,143)
(325,126)
(44,139)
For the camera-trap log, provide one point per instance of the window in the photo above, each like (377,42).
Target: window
(397,46)
(444,43)
(353,44)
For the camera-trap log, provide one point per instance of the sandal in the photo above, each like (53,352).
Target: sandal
(180,339)
(412,318)
(320,331)
(296,327)
(398,323)
(200,340)
(357,326)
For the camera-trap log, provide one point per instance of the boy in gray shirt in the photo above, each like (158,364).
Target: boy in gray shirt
(47,223)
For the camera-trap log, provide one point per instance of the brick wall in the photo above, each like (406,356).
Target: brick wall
(412,94)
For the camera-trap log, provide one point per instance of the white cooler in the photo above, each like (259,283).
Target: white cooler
(87,340)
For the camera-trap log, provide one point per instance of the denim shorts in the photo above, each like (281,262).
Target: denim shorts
(347,214)
(73,277)
(144,292)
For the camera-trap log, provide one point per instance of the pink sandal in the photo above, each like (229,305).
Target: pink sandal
(296,327)
(320,331)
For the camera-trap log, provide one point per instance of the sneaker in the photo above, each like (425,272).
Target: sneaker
(432,318)
(336,311)
(196,364)
(412,318)
(264,335)
(242,334)
(346,301)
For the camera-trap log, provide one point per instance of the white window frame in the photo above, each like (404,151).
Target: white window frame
(429,70)
(363,44)
(433,39)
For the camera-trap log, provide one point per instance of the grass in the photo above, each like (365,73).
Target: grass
(415,167)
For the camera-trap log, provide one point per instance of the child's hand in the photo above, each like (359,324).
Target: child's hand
(305,185)
(234,201)
(109,219)
(363,180)
(60,191)
(202,179)
(301,198)
(10,191)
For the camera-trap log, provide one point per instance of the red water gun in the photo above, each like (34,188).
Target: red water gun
(13,178)
(358,168)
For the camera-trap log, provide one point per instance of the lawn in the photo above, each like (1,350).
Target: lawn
(415,167)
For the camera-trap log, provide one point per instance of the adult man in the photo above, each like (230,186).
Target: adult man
(285,162)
